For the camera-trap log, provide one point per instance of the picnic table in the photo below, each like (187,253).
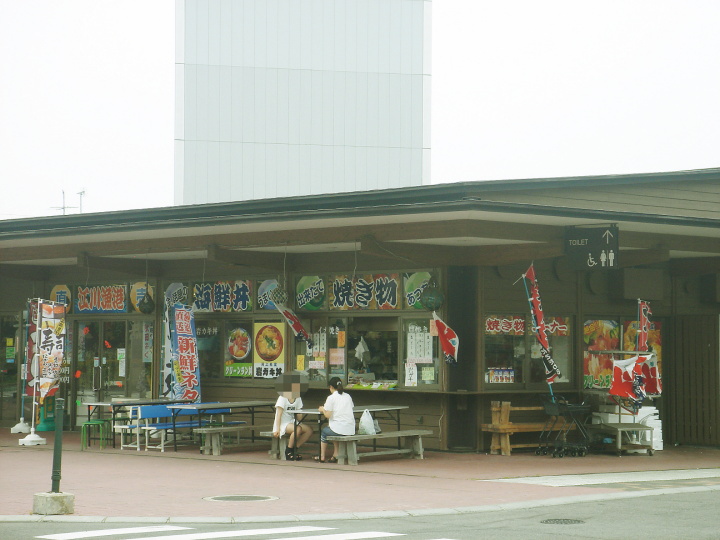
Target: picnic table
(232,407)
(347,449)
(118,405)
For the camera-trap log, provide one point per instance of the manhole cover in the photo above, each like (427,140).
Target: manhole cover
(562,521)
(240,498)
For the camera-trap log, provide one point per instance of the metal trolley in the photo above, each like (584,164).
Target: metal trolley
(564,417)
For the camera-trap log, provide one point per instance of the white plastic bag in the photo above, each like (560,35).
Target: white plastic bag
(366,425)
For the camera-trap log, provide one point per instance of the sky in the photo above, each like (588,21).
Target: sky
(520,89)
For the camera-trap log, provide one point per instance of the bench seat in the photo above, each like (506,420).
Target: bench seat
(410,442)
(278,445)
(501,427)
(214,441)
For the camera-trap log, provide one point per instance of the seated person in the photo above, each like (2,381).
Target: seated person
(289,387)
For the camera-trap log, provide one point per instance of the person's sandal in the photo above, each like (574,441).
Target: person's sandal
(332,460)
(318,460)
(297,457)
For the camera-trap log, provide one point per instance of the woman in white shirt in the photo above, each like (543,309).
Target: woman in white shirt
(338,409)
(284,422)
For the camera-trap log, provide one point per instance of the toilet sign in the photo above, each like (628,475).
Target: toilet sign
(593,248)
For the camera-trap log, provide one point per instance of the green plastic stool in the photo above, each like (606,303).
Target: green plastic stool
(86,432)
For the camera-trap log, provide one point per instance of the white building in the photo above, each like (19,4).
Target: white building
(297,97)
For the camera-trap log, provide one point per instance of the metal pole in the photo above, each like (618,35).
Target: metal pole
(57,449)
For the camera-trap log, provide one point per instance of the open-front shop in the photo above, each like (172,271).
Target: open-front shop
(368,278)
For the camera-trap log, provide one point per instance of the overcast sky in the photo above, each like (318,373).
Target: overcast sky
(521,89)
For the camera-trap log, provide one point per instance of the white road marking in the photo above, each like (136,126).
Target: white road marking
(612,478)
(111,532)
(237,534)
(345,536)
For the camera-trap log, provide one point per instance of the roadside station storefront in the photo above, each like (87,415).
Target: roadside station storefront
(364,274)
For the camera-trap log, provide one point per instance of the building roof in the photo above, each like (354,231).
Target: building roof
(661,217)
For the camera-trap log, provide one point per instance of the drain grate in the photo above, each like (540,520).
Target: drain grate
(562,521)
(240,498)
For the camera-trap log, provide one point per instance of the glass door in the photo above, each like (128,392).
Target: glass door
(88,371)
(113,361)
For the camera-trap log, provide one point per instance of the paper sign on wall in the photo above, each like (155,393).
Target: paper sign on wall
(337,356)
(411,375)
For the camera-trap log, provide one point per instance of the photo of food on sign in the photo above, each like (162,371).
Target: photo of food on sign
(269,343)
(239,344)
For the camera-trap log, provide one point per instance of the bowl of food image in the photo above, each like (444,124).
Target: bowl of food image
(269,343)
(239,344)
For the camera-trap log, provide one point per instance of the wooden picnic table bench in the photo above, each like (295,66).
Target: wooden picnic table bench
(501,427)
(278,445)
(215,436)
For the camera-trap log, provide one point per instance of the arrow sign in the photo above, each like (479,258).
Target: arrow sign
(593,248)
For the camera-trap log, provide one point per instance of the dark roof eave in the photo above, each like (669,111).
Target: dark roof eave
(466,203)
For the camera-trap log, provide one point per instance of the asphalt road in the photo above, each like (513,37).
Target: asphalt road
(673,516)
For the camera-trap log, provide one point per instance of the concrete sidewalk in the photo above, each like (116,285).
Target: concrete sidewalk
(113,484)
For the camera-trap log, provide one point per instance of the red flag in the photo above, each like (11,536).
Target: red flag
(295,324)
(643,325)
(551,369)
(628,381)
(449,340)
(650,371)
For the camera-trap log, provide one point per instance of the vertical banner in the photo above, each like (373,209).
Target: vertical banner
(174,294)
(643,325)
(186,367)
(46,347)
(551,369)
(645,336)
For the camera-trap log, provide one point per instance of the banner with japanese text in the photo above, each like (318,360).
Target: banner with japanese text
(510,325)
(174,293)
(46,348)
(414,285)
(186,366)
(264,299)
(222,296)
(366,291)
(310,293)
(101,299)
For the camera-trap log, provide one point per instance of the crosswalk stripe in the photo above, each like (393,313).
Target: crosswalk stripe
(345,536)
(111,532)
(236,534)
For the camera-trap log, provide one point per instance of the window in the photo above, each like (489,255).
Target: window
(240,349)
(421,362)
(512,352)
(313,361)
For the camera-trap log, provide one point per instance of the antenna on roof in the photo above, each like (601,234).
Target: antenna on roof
(64,206)
(81,193)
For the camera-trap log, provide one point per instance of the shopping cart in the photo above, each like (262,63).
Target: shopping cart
(572,436)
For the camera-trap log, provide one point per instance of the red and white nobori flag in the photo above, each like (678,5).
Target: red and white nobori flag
(449,341)
(650,370)
(295,324)
(551,369)
(643,325)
